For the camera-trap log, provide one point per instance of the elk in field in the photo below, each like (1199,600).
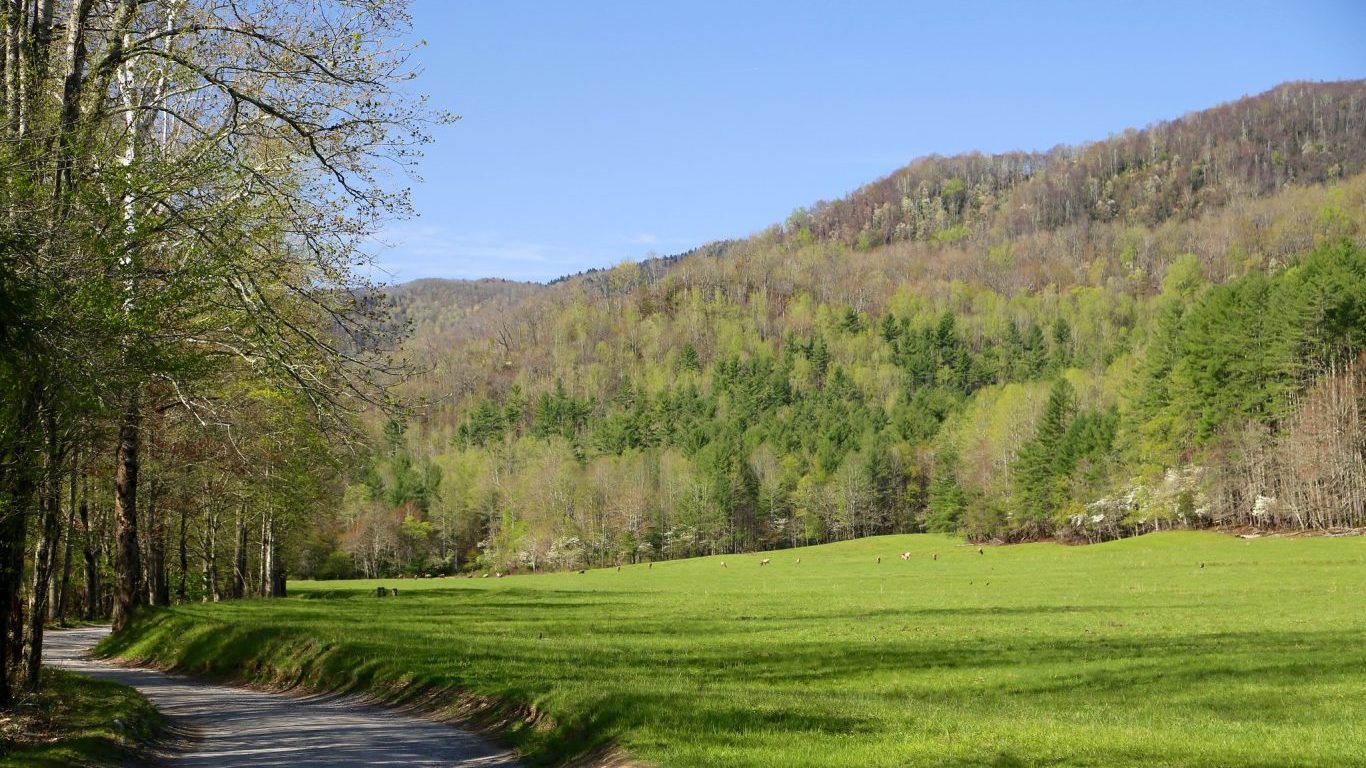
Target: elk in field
(905,555)
(765,561)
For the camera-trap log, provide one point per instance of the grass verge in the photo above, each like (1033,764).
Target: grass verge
(77,721)
(1181,649)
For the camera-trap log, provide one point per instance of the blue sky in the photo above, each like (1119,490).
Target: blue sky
(595,132)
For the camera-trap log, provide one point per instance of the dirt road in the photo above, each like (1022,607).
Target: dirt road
(227,726)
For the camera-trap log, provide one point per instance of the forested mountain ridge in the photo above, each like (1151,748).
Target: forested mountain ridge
(1157,329)
(437,306)
(1297,133)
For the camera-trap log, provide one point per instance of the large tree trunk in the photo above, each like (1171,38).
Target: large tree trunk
(126,566)
(18,486)
(45,555)
(239,555)
(13,527)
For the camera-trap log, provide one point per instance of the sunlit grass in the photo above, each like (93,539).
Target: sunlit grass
(1127,653)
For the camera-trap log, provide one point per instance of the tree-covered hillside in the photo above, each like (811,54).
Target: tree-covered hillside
(1164,328)
(1298,133)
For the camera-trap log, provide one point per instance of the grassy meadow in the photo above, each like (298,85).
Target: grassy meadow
(1182,649)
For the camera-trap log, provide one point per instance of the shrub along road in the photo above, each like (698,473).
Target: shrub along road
(242,727)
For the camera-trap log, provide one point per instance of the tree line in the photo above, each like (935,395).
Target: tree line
(906,424)
(185,337)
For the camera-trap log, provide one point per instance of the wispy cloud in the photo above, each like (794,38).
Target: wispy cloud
(411,250)
(654,241)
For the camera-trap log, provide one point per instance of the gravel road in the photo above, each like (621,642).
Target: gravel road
(228,726)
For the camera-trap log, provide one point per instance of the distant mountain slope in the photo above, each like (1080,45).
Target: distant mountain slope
(1297,133)
(439,306)
(1157,329)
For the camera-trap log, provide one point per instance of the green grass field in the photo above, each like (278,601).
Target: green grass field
(1126,653)
(72,723)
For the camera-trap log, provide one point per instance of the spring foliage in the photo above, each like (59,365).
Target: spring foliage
(1078,376)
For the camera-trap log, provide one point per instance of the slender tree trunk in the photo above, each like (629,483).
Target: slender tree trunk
(64,585)
(239,555)
(158,588)
(45,555)
(210,567)
(275,586)
(268,545)
(92,563)
(14,640)
(104,553)
(14,40)
(184,558)
(265,561)
(277,577)
(126,566)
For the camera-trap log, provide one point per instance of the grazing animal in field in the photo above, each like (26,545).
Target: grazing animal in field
(765,561)
(980,552)
(485,576)
(879,559)
(905,555)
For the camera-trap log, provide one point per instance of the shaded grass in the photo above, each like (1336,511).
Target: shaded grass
(1125,653)
(77,721)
